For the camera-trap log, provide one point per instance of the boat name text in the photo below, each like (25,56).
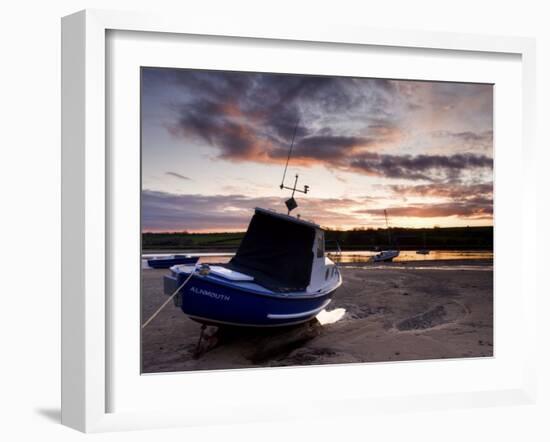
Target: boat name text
(217,296)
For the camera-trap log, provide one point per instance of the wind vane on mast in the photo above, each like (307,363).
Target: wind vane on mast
(291,203)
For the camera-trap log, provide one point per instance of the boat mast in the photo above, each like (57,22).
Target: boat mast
(387,227)
(289,154)
(291,203)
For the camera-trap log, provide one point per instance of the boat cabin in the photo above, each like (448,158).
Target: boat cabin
(284,254)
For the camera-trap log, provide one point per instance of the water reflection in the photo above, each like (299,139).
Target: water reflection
(330,317)
(411,255)
(359,256)
(479,268)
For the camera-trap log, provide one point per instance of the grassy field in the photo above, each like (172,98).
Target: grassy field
(451,238)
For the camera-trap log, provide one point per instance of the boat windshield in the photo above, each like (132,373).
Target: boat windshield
(277,252)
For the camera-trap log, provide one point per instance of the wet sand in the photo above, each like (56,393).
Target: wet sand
(388,312)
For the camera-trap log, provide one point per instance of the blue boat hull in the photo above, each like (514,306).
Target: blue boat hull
(166,263)
(212,303)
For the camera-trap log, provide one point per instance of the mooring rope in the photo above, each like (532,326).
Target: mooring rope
(146,323)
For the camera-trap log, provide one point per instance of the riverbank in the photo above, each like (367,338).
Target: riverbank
(387,312)
(353,257)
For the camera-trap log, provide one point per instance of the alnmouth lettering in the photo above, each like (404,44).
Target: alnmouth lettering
(213,295)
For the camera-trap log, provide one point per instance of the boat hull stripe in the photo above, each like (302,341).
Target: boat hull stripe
(299,315)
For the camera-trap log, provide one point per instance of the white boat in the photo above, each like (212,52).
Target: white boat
(385,256)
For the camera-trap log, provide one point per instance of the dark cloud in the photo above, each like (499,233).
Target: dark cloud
(473,136)
(253,116)
(163,211)
(480,208)
(469,139)
(178,175)
(473,201)
(419,167)
(324,147)
(166,211)
(452,191)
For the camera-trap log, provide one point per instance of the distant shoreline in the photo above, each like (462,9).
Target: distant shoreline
(481,262)
(363,261)
(357,249)
(443,238)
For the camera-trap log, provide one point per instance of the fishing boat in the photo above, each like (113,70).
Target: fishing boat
(165,262)
(279,276)
(386,255)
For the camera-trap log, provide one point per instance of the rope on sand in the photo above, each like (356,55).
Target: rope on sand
(153,316)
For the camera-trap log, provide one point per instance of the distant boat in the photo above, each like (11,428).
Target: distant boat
(386,255)
(279,276)
(423,250)
(165,262)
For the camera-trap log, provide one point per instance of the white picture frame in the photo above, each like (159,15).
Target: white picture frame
(85,210)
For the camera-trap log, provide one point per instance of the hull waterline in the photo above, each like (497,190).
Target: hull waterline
(211,302)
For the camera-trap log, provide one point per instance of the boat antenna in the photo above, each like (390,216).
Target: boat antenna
(291,203)
(387,227)
(289,153)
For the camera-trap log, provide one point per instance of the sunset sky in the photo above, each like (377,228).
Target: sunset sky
(214,146)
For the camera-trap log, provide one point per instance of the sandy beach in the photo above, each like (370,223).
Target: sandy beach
(390,312)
